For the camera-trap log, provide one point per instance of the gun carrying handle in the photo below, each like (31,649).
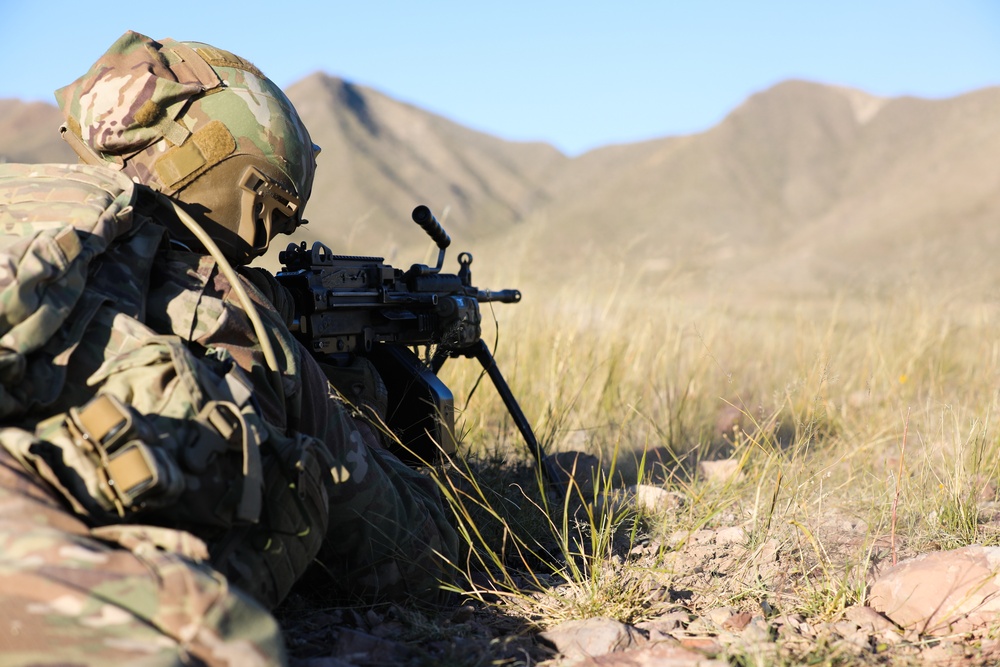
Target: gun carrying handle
(423,217)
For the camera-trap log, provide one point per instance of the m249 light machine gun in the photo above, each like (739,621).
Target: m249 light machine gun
(346,305)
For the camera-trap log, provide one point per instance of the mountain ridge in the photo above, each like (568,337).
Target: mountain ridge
(803,186)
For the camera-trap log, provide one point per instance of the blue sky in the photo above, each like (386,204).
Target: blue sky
(575,74)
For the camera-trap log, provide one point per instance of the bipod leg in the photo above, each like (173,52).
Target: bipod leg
(482,353)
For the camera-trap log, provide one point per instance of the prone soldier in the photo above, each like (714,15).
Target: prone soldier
(172,460)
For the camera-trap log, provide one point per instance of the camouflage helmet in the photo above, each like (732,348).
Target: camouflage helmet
(201,125)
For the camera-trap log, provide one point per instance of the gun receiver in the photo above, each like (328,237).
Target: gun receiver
(348,305)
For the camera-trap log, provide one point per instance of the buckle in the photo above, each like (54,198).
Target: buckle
(103,422)
(226,420)
(126,467)
(132,472)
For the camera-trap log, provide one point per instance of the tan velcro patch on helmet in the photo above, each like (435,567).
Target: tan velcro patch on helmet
(208,146)
(148,113)
(220,58)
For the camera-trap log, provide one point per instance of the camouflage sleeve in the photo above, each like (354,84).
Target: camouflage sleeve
(122,595)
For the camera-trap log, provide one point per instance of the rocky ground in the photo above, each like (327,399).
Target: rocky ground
(709,597)
(681,633)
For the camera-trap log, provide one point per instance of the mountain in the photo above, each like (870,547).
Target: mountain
(29,132)
(381,157)
(804,187)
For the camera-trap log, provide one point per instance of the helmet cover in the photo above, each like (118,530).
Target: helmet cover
(201,125)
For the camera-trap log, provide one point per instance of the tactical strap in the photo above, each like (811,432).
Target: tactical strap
(70,132)
(103,428)
(189,64)
(101,420)
(131,472)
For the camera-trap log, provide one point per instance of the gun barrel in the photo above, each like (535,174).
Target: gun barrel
(503,295)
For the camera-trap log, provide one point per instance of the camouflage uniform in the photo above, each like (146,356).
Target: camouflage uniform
(186,575)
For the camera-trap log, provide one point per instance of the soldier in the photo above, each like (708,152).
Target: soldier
(171,459)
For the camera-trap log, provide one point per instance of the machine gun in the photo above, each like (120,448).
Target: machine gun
(346,305)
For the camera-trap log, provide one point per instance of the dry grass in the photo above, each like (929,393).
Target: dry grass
(810,396)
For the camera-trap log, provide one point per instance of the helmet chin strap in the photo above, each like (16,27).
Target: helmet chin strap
(86,154)
(234,280)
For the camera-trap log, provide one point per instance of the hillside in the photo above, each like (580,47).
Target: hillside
(29,132)
(382,157)
(803,187)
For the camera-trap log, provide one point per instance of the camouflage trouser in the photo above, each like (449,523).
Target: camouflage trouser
(389,535)
(67,597)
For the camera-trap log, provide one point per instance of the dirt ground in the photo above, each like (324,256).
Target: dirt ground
(709,597)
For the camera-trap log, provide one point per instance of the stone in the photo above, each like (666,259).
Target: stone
(591,637)
(720,615)
(666,623)
(656,655)
(702,626)
(730,535)
(655,498)
(738,621)
(755,631)
(704,644)
(643,497)
(941,593)
(868,619)
(720,472)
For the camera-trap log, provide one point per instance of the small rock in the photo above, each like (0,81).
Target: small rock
(590,637)
(941,654)
(942,593)
(788,633)
(720,615)
(702,536)
(868,619)
(756,631)
(703,644)
(667,623)
(720,472)
(732,535)
(890,637)
(845,628)
(655,655)
(462,614)
(350,644)
(702,626)
(793,620)
(860,642)
(787,625)
(642,497)
(644,549)
(769,551)
(388,629)
(807,630)
(655,498)
(738,621)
